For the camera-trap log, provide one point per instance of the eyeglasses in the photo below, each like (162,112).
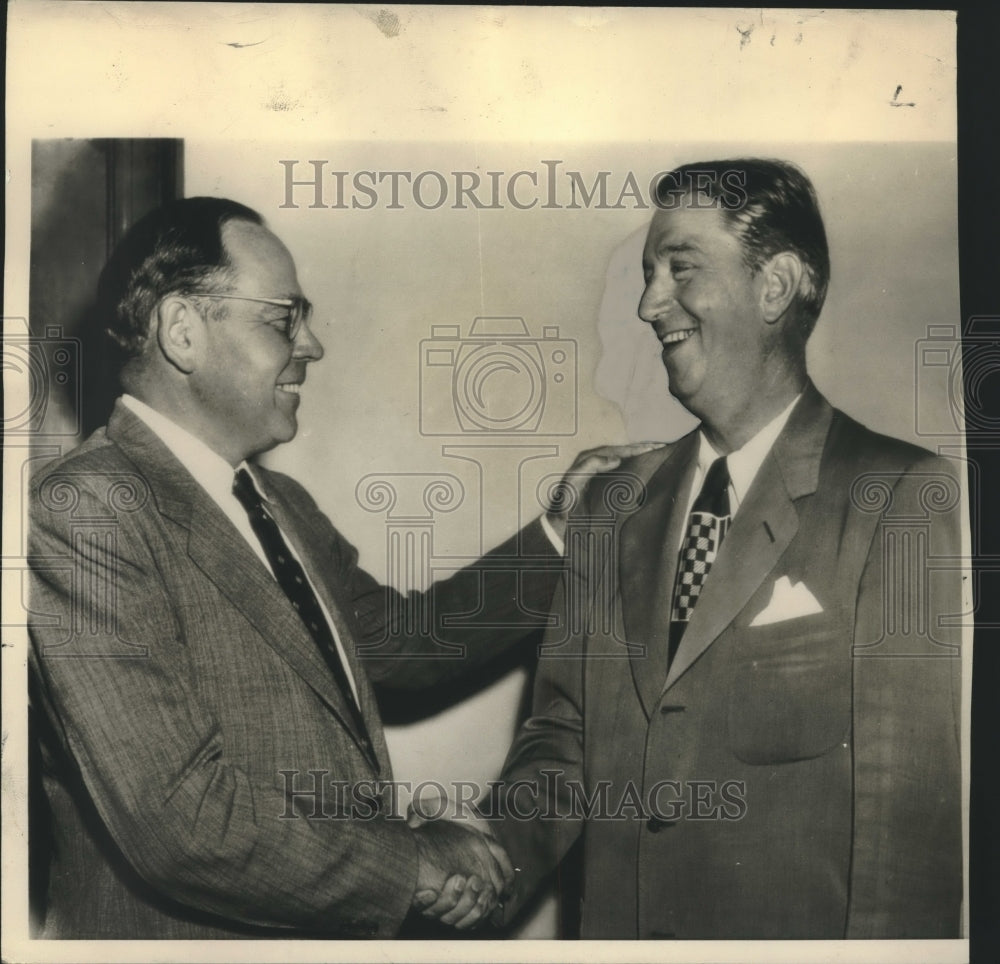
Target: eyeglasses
(299,309)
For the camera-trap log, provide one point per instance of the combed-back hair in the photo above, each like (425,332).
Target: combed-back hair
(771,206)
(176,249)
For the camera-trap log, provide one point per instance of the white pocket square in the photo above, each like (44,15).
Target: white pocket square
(787,602)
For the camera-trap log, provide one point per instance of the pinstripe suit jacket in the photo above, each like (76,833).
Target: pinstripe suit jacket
(192,737)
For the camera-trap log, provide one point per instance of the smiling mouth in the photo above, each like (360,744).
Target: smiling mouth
(293,388)
(675,337)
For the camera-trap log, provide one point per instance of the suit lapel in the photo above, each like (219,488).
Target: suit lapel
(222,554)
(647,563)
(762,528)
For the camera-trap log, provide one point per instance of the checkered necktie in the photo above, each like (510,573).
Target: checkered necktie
(706,529)
(292,579)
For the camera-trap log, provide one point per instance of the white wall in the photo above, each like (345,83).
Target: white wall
(380,278)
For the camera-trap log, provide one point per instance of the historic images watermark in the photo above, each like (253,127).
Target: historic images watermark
(957,366)
(912,623)
(499,378)
(555,796)
(550,186)
(47,366)
(43,401)
(500,382)
(95,503)
(500,395)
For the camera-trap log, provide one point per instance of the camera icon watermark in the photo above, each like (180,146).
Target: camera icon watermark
(43,367)
(954,367)
(497,380)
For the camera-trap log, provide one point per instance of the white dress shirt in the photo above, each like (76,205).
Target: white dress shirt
(215,475)
(744,463)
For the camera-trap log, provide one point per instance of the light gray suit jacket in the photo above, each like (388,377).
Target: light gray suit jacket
(785,778)
(192,737)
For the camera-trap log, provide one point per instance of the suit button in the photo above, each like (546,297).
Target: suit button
(655,824)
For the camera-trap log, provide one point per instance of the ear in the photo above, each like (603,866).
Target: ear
(781,275)
(180,332)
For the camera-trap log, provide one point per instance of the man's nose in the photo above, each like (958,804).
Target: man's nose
(657,298)
(307,345)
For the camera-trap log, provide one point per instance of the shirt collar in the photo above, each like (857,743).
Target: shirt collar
(210,470)
(745,462)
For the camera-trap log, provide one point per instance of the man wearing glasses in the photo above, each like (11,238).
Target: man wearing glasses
(195,682)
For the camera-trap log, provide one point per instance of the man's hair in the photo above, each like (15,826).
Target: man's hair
(770,206)
(176,249)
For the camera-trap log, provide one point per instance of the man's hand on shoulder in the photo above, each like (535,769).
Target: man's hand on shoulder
(585,466)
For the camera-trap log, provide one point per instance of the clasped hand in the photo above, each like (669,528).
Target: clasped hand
(462,874)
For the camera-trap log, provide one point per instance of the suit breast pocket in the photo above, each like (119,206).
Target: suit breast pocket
(790,696)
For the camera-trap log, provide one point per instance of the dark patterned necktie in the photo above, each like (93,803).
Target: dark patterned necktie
(293,581)
(706,528)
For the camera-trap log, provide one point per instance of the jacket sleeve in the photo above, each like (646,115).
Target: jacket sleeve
(906,866)
(535,809)
(418,639)
(538,808)
(117,683)
(532,809)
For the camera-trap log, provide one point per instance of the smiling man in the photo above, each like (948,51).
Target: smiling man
(211,749)
(761,739)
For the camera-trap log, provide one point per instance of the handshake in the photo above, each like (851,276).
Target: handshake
(462,875)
